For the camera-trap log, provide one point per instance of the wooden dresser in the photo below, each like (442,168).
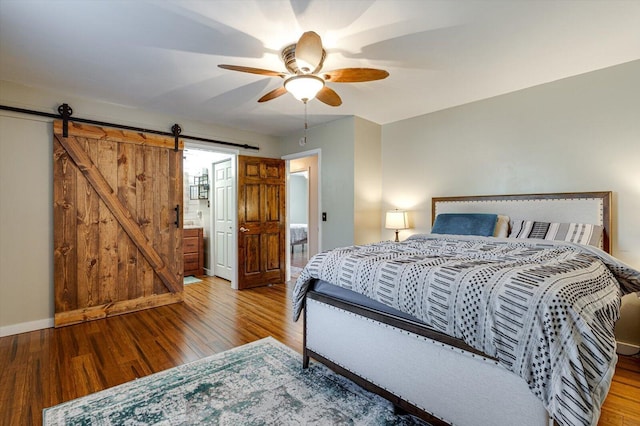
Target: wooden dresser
(193,251)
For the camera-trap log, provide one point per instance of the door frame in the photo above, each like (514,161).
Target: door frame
(311,153)
(233,153)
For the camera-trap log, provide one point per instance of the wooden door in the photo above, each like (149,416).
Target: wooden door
(117,233)
(261,221)
(225,213)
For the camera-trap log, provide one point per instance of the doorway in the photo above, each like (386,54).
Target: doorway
(299,219)
(203,203)
(303,209)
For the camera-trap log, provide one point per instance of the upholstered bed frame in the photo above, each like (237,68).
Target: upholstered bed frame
(578,207)
(424,372)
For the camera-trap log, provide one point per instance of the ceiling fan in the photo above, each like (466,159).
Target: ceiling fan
(304,79)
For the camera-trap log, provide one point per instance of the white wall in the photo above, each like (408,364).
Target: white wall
(26,224)
(26,194)
(336,142)
(299,198)
(577,134)
(368,181)
(351,174)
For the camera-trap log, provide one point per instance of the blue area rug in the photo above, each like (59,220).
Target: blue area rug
(261,383)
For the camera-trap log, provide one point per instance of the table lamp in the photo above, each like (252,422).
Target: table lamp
(396,219)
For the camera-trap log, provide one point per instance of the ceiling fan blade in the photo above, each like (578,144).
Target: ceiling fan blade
(329,97)
(259,71)
(309,52)
(355,75)
(273,94)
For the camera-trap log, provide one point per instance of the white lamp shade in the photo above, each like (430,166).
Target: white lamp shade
(304,87)
(396,220)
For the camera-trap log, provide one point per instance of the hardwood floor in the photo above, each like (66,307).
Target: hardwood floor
(622,406)
(44,368)
(47,367)
(299,258)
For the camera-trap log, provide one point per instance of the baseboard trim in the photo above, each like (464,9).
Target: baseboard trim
(25,327)
(624,348)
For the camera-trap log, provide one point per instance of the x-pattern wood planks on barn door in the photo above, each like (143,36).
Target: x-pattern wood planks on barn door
(117,233)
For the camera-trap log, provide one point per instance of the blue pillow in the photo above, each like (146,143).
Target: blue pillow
(465,224)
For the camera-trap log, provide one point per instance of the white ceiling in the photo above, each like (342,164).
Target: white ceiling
(163,55)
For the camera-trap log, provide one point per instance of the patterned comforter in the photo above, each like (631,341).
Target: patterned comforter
(546,310)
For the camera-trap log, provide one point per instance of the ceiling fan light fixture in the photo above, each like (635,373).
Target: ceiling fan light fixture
(304,78)
(304,87)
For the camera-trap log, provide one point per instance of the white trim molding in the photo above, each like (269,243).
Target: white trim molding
(623,348)
(25,327)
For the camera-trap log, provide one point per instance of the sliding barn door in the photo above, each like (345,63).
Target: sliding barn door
(117,230)
(261,221)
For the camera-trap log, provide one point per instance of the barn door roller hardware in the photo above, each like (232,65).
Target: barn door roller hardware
(65,112)
(176,130)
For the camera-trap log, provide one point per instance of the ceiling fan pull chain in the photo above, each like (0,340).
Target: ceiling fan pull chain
(305,122)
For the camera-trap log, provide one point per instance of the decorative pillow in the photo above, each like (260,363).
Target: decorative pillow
(465,224)
(581,233)
(502,227)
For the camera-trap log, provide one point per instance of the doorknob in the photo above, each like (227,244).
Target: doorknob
(243,229)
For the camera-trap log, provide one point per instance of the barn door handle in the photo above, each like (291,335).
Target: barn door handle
(243,229)
(177,210)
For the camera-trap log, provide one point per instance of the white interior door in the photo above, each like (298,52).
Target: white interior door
(224,211)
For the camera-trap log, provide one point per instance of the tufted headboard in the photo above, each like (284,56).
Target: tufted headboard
(576,207)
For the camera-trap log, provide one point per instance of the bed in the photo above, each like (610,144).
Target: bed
(298,233)
(456,350)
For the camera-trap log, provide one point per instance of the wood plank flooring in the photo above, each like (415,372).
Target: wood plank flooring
(299,258)
(47,367)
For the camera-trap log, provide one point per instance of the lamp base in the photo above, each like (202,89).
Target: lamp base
(397,240)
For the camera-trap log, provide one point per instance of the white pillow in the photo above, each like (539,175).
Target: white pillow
(582,233)
(502,227)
